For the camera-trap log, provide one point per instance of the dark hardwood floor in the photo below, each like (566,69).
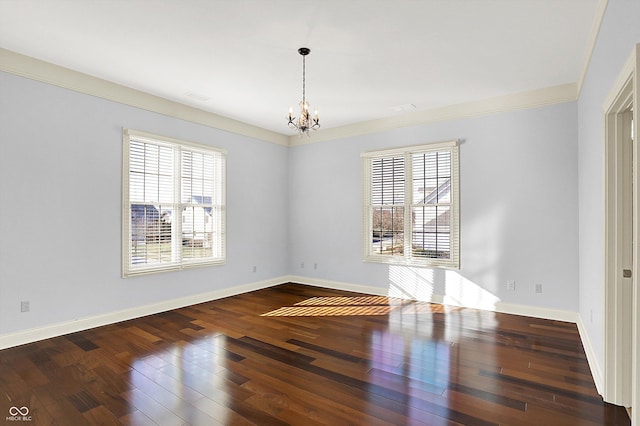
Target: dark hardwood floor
(302,355)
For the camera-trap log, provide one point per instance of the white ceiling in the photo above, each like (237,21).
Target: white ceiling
(367,56)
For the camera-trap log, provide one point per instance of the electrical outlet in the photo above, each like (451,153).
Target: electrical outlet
(511,285)
(315,266)
(538,288)
(25,306)
(255,269)
(301,265)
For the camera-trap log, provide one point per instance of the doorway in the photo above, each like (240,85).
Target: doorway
(621,190)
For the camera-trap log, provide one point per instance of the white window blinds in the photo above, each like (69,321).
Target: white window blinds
(411,205)
(173,204)
(387,205)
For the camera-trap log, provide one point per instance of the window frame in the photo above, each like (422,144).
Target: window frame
(178,262)
(407,258)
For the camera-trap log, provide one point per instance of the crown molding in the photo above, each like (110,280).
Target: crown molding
(514,101)
(35,69)
(46,72)
(591,44)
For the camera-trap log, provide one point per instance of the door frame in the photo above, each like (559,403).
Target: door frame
(621,295)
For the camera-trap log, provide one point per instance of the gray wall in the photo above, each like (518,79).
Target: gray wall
(60,207)
(518,220)
(619,33)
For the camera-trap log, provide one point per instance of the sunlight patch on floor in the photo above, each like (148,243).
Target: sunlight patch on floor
(346,306)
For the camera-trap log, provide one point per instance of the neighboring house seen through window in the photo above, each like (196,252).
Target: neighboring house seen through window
(411,205)
(173,204)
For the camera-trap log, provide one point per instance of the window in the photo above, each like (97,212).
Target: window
(173,204)
(411,205)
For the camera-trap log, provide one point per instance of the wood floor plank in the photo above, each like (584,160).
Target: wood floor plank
(137,418)
(300,355)
(342,402)
(222,414)
(152,409)
(101,416)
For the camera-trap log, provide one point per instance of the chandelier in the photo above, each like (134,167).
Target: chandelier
(304,123)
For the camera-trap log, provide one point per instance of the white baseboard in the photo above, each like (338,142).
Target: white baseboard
(537,312)
(59,329)
(596,371)
(54,330)
(338,285)
(507,308)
